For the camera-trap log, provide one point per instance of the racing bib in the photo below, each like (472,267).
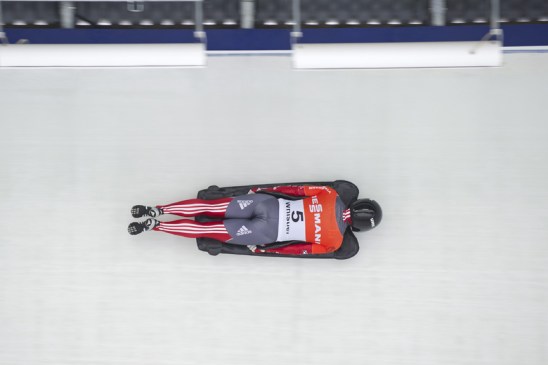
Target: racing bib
(291,226)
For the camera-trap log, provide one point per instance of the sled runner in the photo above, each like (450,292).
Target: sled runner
(347,191)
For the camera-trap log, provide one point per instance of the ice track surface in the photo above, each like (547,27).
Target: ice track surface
(457,273)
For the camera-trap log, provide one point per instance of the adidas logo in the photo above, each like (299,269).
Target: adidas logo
(244,203)
(243,231)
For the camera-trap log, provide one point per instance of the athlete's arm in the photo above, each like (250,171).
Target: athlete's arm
(301,249)
(295,249)
(297,190)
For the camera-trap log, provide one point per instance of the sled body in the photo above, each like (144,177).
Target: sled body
(346,190)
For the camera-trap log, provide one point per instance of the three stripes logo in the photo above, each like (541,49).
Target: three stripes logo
(243,231)
(244,203)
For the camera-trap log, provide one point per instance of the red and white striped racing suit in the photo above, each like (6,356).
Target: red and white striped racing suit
(319,219)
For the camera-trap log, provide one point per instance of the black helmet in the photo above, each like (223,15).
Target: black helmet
(366,214)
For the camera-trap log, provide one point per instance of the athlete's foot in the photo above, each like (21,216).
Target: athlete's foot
(139,211)
(139,227)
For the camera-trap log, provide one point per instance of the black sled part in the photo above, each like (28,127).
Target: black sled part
(346,190)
